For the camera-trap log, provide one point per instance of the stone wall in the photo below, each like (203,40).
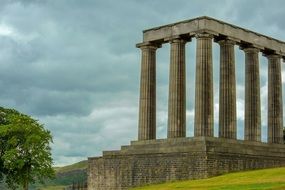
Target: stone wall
(157,161)
(120,173)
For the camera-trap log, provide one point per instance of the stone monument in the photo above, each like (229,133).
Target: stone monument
(149,160)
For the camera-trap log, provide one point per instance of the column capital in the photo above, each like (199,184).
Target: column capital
(229,39)
(226,41)
(148,45)
(204,35)
(251,50)
(177,40)
(246,47)
(273,56)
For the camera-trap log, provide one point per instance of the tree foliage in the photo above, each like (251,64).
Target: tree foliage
(25,153)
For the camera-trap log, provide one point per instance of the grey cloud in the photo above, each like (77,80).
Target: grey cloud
(107,127)
(66,60)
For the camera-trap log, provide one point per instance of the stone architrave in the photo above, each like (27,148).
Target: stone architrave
(252,131)
(204,112)
(147,104)
(177,90)
(227,100)
(275,103)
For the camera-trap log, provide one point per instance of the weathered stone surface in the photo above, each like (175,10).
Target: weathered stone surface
(177,90)
(216,27)
(204,110)
(252,117)
(148,160)
(156,161)
(227,104)
(147,105)
(275,103)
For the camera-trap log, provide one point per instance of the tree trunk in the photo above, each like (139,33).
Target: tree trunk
(26,185)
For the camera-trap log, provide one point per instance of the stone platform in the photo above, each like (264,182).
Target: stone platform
(157,161)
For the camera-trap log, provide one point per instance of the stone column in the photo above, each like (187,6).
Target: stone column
(177,90)
(204,120)
(227,100)
(275,103)
(147,104)
(252,131)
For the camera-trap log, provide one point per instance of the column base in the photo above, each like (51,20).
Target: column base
(158,161)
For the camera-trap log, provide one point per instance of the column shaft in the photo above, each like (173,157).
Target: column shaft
(147,104)
(204,120)
(227,100)
(177,90)
(252,118)
(275,104)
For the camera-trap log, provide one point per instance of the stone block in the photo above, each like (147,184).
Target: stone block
(164,160)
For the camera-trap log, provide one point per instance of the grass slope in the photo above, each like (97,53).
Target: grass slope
(77,166)
(65,176)
(273,179)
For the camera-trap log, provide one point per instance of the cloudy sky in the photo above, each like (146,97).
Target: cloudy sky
(73,65)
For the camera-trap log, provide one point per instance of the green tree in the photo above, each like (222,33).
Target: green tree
(25,153)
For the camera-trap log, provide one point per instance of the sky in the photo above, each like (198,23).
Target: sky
(73,65)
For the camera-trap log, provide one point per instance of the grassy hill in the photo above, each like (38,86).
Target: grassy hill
(82,165)
(273,179)
(65,176)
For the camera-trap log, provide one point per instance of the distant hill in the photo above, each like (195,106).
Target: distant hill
(273,179)
(65,176)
